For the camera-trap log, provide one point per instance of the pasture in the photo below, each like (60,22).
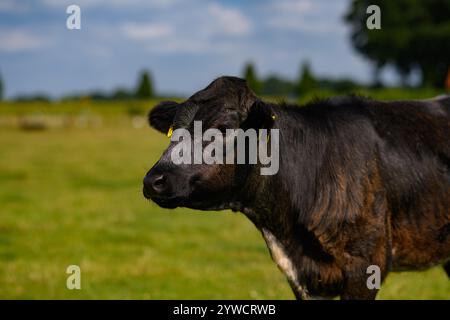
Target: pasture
(72,194)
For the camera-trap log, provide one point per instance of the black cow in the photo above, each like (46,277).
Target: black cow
(361,182)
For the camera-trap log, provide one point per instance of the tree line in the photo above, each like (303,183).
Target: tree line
(143,90)
(306,82)
(273,85)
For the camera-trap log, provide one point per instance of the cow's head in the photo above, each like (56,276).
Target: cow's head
(227,103)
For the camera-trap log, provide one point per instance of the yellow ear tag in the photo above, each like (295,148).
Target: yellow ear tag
(273,117)
(169,133)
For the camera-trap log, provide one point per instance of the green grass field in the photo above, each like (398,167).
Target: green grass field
(72,195)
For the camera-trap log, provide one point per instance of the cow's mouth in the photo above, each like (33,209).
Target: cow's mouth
(164,202)
(175,202)
(168,203)
(192,201)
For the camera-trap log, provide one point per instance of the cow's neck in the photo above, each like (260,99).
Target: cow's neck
(267,202)
(264,199)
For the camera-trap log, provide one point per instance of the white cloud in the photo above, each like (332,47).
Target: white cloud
(111,3)
(308,26)
(146,31)
(291,6)
(216,29)
(16,40)
(304,15)
(228,21)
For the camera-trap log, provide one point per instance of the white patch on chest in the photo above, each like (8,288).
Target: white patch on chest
(284,262)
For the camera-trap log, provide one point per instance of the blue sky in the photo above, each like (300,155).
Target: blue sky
(184,43)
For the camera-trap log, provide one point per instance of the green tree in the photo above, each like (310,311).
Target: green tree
(145,86)
(251,78)
(306,81)
(276,86)
(121,94)
(414,35)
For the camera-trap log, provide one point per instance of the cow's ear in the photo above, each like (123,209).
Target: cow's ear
(259,116)
(162,115)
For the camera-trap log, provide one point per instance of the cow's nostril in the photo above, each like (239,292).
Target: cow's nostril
(159,183)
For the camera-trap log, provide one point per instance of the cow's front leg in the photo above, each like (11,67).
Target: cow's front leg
(370,247)
(355,284)
(357,271)
(284,262)
(300,292)
(447,268)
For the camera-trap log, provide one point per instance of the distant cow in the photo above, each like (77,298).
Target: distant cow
(361,183)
